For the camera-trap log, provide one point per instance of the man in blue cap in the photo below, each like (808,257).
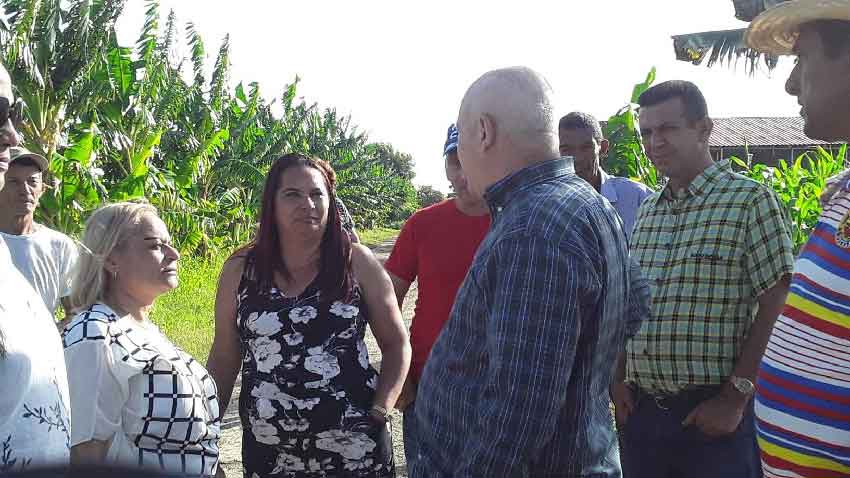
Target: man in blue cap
(436,247)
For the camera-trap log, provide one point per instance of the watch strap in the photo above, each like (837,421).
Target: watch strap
(381,411)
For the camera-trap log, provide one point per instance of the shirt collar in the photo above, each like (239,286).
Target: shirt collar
(702,184)
(499,194)
(607,188)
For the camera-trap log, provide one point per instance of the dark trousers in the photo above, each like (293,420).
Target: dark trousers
(409,431)
(656,445)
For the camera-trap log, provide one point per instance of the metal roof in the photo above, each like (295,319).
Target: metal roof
(760,131)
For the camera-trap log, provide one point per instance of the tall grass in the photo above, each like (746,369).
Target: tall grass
(186,314)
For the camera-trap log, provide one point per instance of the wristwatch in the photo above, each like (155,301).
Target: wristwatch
(380,412)
(742,385)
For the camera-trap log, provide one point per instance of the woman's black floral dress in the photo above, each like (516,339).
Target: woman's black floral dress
(307,387)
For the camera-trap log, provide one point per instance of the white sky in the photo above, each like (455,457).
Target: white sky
(400,68)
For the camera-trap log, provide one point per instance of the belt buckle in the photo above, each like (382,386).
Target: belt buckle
(658,402)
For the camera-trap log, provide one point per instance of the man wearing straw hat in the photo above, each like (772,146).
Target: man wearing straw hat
(803,396)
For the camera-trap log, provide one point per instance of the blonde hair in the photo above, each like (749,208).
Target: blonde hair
(106,229)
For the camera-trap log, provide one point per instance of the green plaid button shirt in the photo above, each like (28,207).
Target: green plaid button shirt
(708,252)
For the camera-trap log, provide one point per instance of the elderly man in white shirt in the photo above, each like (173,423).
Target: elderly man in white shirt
(580,136)
(43,256)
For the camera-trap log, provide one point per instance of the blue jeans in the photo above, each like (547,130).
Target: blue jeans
(656,445)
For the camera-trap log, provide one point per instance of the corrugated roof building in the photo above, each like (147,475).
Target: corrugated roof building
(768,139)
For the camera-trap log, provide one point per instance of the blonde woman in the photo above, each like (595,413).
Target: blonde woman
(136,399)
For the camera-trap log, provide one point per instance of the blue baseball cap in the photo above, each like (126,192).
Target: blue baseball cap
(451,141)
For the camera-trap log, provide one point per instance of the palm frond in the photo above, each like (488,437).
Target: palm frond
(169,35)
(89,31)
(220,75)
(48,28)
(196,43)
(18,39)
(146,44)
(725,46)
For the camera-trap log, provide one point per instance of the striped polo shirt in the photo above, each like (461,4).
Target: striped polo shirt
(803,397)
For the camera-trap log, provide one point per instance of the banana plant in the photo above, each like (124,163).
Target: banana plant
(798,185)
(123,122)
(80,190)
(626,156)
(50,48)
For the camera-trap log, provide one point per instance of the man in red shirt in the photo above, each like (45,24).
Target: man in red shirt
(435,247)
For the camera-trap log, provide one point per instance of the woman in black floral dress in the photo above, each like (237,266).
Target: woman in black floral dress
(292,310)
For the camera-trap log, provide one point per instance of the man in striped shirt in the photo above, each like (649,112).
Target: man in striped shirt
(717,252)
(803,388)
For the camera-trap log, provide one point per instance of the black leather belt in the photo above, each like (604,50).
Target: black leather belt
(689,397)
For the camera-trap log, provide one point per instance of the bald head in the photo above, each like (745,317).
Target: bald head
(8,135)
(519,100)
(506,123)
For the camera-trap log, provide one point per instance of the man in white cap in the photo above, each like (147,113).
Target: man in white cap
(44,257)
(803,398)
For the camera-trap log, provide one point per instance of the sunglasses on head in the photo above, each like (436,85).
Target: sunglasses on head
(11,112)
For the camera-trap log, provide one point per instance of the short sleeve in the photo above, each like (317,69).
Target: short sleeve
(97,399)
(639,299)
(770,253)
(404,259)
(643,193)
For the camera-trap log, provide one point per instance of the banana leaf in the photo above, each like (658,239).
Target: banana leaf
(726,46)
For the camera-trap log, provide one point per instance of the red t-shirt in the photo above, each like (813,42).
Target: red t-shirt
(436,246)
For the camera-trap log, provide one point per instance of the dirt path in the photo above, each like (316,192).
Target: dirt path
(230,445)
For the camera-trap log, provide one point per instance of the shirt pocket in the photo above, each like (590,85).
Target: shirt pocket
(710,269)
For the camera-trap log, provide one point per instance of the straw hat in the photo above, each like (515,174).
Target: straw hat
(775,30)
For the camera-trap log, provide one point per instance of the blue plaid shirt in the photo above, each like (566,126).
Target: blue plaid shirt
(517,383)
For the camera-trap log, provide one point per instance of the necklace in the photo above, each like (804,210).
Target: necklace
(287,288)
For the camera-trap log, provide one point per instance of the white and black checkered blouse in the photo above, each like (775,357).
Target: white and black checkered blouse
(131,385)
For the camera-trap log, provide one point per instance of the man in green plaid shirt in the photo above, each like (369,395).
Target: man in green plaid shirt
(716,249)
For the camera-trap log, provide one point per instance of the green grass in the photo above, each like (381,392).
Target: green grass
(186,314)
(374,237)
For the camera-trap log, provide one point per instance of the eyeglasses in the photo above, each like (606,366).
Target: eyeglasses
(11,112)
